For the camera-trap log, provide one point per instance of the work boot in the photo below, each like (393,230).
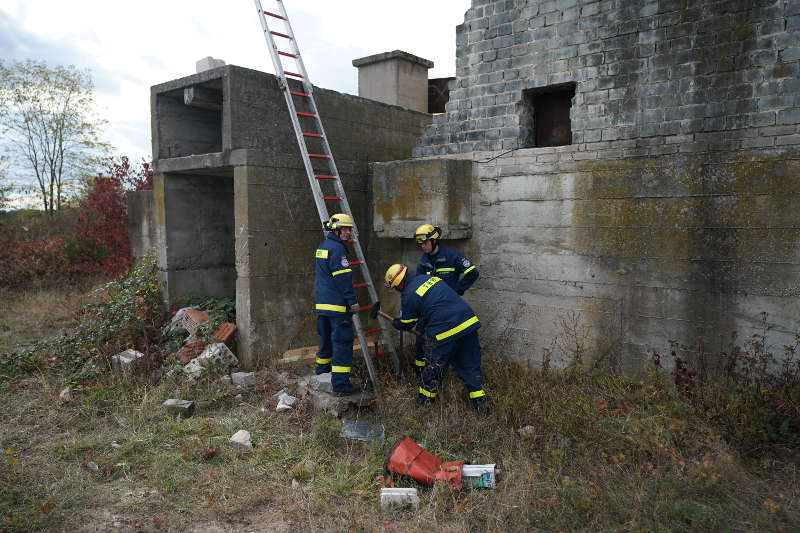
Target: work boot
(322,369)
(480,405)
(423,400)
(347,390)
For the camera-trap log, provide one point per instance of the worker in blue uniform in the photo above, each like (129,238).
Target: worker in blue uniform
(428,303)
(335,302)
(445,263)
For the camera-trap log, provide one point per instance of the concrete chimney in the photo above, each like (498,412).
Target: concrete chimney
(396,78)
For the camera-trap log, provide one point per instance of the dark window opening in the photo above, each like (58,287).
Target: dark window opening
(544,116)
(438,94)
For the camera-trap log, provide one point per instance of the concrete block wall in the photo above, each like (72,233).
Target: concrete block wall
(253,197)
(671,215)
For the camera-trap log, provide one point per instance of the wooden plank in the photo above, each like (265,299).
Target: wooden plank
(308,354)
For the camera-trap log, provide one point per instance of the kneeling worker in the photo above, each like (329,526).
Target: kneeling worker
(335,303)
(450,324)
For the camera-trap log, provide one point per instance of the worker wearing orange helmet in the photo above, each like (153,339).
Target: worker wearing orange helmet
(445,263)
(443,317)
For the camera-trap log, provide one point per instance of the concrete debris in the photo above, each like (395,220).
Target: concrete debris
(295,484)
(238,397)
(336,405)
(526,431)
(190,351)
(225,332)
(184,408)
(124,363)
(478,476)
(285,402)
(243,378)
(187,318)
(215,354)
(65,396)
(240,441)
(115,444)
(321,382)
(207,63)
(362,430)
(398,497)
(91,465)
(224,380)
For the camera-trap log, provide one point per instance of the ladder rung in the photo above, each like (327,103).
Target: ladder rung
(297,93)
(371,331)
(359,263)
(280,34)
(382,353)
(319,156)
(332,198)
(295,74)
(287,54)
(314,135)
(274,15)
(304,114)
(360,285)
(324,177)
(363,307)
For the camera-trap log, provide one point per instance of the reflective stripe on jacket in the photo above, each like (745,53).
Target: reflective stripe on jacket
(333,285)
(440,312)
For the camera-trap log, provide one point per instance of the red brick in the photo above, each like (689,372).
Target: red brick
(187,352)
(225,332)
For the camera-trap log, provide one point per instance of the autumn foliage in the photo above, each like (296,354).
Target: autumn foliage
(92,244)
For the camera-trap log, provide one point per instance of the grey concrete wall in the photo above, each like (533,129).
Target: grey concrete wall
(195,228)
(274,226)
(671,215)
(141,223)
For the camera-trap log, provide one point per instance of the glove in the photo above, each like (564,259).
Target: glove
(460,292)
(373,313)
(355,308)
(396,323)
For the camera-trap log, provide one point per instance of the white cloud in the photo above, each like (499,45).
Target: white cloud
(132,46)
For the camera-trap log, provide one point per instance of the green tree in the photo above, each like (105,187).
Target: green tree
(47,121)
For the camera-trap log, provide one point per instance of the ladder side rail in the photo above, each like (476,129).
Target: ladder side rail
(322,209)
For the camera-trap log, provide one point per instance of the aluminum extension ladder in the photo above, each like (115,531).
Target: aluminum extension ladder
(315,178)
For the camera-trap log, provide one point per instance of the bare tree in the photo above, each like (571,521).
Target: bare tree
(46,119)
(5,188)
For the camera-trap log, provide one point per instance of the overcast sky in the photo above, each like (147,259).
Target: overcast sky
(130,46)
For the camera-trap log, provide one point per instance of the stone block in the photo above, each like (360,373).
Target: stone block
(125,363)
(243,378)
(215,354)
(240,441)
(399,497)
(184,408)
(412,192)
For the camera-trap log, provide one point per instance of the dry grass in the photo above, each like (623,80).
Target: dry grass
(607,453)
(36,313)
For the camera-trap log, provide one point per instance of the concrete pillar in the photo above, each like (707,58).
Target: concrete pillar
(396,78)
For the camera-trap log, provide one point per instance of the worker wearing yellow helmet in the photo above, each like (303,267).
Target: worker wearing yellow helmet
(445,263)
(335,302)
(450,325)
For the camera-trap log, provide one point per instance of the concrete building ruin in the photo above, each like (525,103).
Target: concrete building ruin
(622,171)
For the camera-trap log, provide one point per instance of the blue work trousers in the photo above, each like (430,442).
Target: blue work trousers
(335,348)
(464,353)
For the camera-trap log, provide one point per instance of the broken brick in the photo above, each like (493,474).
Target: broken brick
(187,352)
(225,332)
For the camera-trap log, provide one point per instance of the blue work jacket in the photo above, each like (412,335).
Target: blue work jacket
(440,313)
(449,265)
(333,285)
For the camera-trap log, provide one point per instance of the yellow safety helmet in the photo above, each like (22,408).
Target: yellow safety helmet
(339,220)
(427,231)
(395,275)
